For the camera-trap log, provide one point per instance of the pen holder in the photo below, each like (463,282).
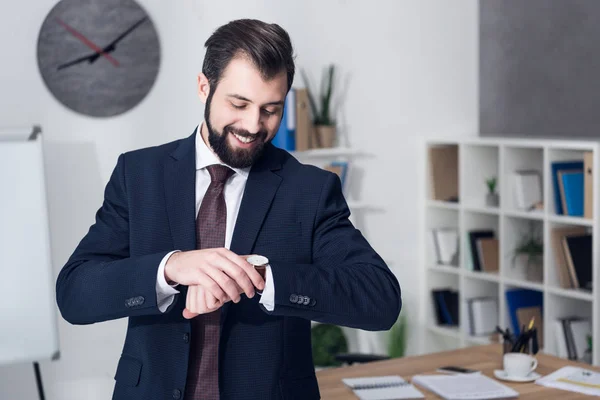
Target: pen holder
(527,348)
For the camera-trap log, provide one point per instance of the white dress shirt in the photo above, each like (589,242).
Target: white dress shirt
(234,190)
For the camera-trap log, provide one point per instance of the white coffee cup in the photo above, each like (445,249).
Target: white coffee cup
(519,365)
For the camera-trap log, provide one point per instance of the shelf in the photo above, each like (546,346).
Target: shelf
(447,331)
(535,215)
(567,220)
(326,153)
(478,160)
(523,284)
(363,206)
(572,293)
(483,210)
(447,269)
(478,339)
(447,205)
(485,276)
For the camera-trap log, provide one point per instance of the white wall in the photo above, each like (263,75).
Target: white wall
(409,70)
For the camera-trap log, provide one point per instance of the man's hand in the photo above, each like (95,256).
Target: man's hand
(199,301)
(220,273)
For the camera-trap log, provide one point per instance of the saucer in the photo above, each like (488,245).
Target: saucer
(500,374)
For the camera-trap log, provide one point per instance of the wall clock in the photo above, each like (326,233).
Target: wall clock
(98,57)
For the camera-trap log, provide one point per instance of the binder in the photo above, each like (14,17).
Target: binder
(588,170)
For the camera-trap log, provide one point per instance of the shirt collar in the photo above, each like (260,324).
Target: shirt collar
(205,156)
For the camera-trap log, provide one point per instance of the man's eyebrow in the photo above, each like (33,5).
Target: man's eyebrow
(242,98)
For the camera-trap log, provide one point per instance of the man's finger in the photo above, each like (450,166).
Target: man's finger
(230,276)
(187,314)
(241,272)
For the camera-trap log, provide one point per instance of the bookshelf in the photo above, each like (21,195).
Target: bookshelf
(478,159)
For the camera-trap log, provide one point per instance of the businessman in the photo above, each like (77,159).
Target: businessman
(220,248)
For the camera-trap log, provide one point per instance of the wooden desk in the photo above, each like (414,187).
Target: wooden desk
(484,358)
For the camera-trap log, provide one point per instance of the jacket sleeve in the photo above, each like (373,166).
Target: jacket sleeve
(100,281)
(348,283)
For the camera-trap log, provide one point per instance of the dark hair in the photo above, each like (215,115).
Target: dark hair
(268,46)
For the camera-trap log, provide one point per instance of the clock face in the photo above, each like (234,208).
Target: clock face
(98,57)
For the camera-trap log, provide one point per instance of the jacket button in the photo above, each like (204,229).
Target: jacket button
(306,300)
(301,299)
(293,298)
(312,302)
(186,337)
(176,394)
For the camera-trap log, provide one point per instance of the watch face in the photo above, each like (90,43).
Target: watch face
(98,57)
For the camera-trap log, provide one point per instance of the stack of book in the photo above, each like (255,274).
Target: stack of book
(446,245)
(296,131)
(445,301)
(572,335)
(484,254)
(572,247)
(482,315)
(572,182)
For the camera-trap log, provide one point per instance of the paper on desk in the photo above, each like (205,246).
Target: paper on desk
(573,379)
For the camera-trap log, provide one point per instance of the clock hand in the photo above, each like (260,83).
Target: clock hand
(90,57)
(88,42)
(111,46)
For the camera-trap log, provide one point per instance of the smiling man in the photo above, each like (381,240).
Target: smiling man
(220,248)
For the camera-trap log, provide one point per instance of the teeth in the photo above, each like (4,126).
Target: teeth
(244,139)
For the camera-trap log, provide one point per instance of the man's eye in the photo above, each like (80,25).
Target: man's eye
(270,112)
(238,107)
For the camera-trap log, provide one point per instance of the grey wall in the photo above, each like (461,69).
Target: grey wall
(539,68)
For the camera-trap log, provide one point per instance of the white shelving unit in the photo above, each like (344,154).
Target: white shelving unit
(478,159)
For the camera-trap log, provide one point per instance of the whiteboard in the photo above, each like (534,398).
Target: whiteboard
(28,320)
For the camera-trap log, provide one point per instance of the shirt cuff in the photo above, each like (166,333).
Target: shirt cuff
(267,298)
(165,293)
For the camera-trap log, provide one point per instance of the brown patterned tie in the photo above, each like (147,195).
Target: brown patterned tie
(203,372)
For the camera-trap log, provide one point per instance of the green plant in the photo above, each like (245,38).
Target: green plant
(322,114)
(530,245)
(397,339)
(491,184)
(327,341)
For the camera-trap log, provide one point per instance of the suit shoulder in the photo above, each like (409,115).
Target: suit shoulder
(305,173)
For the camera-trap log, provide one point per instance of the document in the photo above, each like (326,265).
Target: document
(574,379)
(390,387)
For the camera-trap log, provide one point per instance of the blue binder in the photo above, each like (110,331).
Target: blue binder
(573,187)
(557,166)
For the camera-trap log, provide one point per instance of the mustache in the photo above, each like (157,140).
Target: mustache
(244,133)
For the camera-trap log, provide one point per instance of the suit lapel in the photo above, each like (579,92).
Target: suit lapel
(180,195)
(258,195)
(260,190)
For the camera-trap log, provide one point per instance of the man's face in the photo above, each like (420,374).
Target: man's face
(243,113)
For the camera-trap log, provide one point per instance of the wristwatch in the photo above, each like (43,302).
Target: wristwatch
(260,264)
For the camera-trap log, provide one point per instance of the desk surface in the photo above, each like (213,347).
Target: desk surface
(484,358)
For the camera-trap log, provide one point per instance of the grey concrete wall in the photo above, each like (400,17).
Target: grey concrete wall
(539,68)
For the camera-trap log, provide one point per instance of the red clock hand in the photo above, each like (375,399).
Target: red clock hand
(87,42)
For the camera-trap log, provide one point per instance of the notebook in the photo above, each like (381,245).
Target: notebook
(465,386)
(389,387)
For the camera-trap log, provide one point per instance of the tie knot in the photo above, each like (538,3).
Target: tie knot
(219,173)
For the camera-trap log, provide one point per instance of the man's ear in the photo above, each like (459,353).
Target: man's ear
(203,87)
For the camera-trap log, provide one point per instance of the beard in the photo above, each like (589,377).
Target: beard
(235,158)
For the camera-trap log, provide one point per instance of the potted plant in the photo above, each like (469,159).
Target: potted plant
(530,249)
(397,338)
(327,341)
(325,126)
(492,199)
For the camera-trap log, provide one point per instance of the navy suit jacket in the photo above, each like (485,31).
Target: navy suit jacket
(294,214)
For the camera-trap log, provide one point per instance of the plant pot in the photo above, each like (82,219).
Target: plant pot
(325,136)
(534,268)
(492,200)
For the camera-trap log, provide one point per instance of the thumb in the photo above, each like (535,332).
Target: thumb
(187,314)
